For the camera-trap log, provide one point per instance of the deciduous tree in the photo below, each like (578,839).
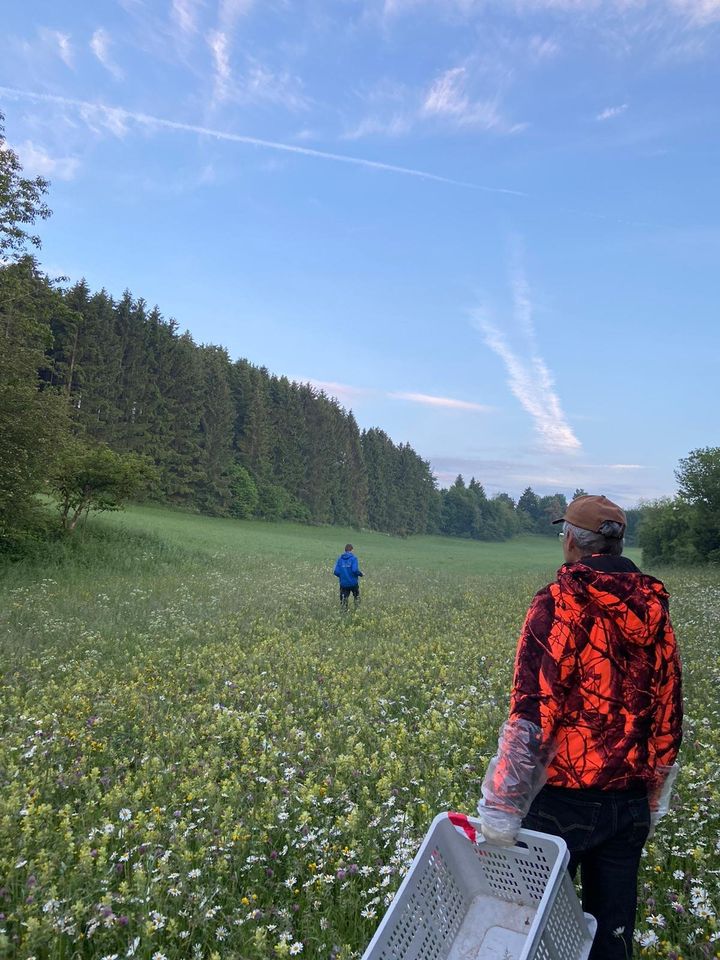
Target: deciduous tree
(95,478)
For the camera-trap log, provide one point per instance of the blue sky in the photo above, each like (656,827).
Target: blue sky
(491,228)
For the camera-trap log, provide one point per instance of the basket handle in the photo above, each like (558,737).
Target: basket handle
(463,825)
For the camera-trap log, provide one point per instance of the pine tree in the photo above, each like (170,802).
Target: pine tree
(289,433)
(216,430)
(181,381)
(322,488)
(378,454)
(528,510)
(253,437)
(356,473)
(97,403)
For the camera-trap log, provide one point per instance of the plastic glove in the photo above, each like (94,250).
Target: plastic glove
(659,796)
(654,820)
(517,771)
(512,779)
(497,826)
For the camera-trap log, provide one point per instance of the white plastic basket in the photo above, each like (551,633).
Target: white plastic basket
(477,901)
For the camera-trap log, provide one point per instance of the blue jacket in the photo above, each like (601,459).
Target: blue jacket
(346,567)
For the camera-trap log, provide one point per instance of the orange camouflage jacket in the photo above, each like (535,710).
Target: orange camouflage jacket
(597,670)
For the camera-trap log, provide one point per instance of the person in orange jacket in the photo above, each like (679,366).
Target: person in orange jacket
(589,749)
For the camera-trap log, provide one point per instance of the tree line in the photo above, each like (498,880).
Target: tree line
(685,529)
(102,399)
(110,392)
(220,436)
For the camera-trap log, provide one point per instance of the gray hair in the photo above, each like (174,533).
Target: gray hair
(609,541)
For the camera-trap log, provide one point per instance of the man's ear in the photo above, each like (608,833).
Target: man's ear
(568,542)
(572,552)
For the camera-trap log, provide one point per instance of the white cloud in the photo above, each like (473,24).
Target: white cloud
(447,98)
(63,45)
(348,393)
(257,84)
(306,134)
(609,113)
(547,474)
(219,46)
(344,392)
(395,126)
(37,161)
(469,8)
(543,48)
(100,46)
(572,5)
(446,95)
(448,403)
(51,43)
(508,476)
(392,111)
(699,11)
(396,111)
(184,15)
(101,119)
(65,48)
(393,8)
(230,11)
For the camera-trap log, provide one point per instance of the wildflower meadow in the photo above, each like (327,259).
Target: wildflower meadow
(202,757)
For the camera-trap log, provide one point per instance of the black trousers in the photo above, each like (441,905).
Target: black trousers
(345,593)
(605,831)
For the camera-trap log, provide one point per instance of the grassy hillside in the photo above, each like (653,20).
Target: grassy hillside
(202,757)
(252,539)
(320,543)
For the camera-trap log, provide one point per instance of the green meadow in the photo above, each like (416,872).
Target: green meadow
(203,758)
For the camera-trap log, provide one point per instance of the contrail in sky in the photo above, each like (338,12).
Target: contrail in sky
(145,119)
(529,378)
(532,384)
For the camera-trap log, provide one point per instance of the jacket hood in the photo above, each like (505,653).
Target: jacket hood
(635,602)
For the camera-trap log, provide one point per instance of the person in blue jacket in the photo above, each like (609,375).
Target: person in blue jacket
(348,571)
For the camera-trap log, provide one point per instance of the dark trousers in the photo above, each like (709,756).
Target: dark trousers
(345,593)
(605,831)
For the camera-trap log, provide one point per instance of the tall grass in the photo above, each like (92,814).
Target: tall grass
(202,757)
